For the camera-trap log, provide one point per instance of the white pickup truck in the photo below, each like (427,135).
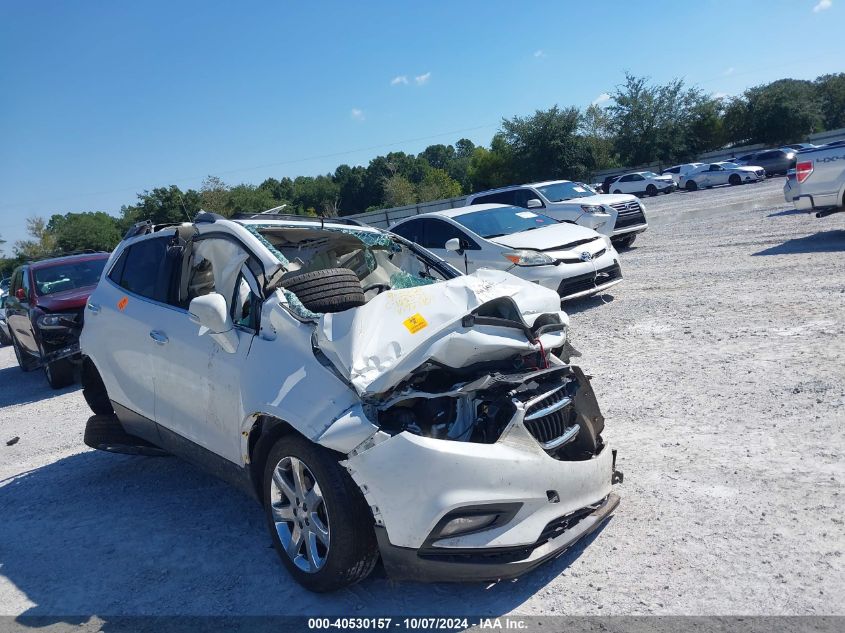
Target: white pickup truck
(818,182)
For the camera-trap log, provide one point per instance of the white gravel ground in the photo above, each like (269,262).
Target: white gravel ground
(719,365)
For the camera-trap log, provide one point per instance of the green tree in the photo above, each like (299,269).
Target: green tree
(783,111)
(248,199)
(736,121)
(84,231)
(319,194)
(831,94)
(598,137)
(163,205)
(398,191)
(546,145)
(42,244)
(215,195)
(436,185)
(490,168)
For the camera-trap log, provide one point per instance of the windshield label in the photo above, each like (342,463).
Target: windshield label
(526,214)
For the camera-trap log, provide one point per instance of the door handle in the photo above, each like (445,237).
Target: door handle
(94,308)
(159,337)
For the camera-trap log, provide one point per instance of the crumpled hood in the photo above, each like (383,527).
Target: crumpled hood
(547,237)
(378,344)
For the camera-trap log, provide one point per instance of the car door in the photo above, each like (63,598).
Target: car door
(120,320)
(718,175)
(17,310)
(435,234)
(198,395)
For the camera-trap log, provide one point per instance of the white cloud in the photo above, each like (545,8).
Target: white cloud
(719,95)
(399,79)
(356,114)
(822,5)
(422,79)
(539,53)
(602,98)
(729,71)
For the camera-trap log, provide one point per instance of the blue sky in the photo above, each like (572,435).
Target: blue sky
(101,100)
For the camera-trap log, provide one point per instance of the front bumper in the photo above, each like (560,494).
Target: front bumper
(491,564)
(572,281)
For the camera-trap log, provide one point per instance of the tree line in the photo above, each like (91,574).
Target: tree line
(640,122)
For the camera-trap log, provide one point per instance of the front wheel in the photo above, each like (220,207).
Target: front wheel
(691,185)
(735,180)
(616,191)
(25,361)
(651,190)
(320,524)
(59,373)
(625,242)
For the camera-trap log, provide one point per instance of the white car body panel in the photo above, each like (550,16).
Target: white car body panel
(824,188)
(462,473)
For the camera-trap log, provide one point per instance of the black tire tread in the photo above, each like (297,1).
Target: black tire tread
(328,290)
(62,372)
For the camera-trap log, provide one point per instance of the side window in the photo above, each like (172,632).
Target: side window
(410,230)
(522,196)
(637,178)
(246,302)
(214,265)
(438,232)
(502,197)
(146,270)
(715,168)
(626,179)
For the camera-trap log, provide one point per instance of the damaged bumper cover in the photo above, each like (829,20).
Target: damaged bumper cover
(433,565)
(459,510)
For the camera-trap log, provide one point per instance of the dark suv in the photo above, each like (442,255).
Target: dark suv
(44,312)
(774,161)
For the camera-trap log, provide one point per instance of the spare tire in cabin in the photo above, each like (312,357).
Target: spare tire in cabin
(329,290)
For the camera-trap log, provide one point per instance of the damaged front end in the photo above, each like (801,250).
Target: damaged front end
(487,454)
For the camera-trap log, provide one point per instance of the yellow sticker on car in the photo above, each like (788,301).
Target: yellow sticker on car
(415,323)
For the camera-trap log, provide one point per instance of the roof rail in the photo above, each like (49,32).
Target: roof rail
(207,217)
(84,251)
(291,216)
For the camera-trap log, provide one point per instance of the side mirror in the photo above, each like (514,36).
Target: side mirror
(211,313)
(453,244)
(20,294)
(534,203)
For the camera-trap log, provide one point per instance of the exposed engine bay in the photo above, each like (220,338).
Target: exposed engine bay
(556,405)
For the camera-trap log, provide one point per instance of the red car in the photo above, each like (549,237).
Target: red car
(44,312)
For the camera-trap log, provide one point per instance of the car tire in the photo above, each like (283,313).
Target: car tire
(691,185)
(106,433)
(651,190)
(59,373)
(348,551)
(735,180)
(616,191)
(329,290)
(625,242)
(4,338)
(94,391)
(25,361)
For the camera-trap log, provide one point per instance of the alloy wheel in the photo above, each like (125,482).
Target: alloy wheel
(300,514)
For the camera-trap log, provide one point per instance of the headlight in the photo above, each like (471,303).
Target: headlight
(527,257)
(56,320)
(592,208)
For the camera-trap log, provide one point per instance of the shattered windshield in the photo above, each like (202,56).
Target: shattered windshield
(376,258)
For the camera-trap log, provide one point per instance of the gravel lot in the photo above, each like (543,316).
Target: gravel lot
(720,366)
